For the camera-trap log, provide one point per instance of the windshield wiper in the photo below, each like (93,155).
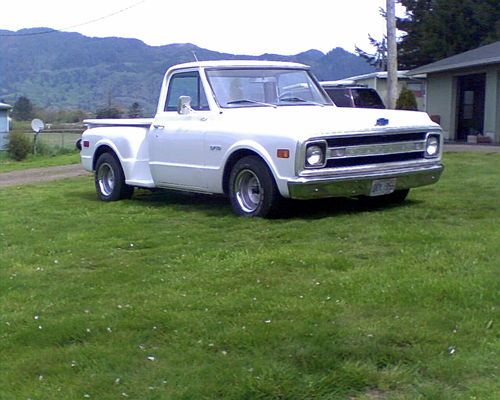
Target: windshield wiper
(247,101)
(300,100)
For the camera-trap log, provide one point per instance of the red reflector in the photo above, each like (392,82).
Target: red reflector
(283,153)
(86,143)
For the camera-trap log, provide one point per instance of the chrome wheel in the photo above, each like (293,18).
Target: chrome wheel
(252,189)
(109,179)
(249,191)
(106,179)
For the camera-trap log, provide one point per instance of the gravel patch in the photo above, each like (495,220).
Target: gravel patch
(45,174)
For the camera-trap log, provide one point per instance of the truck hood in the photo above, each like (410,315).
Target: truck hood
(316,121)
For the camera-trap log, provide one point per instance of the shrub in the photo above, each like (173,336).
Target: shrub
(18,146)
(406,100)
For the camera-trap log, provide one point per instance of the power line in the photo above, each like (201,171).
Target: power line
(77,25)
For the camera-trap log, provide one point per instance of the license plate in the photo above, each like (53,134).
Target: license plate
(383,186)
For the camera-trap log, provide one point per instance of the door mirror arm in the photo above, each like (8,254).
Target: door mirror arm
(184,105)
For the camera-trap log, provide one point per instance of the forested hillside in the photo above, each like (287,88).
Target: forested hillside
(69,70)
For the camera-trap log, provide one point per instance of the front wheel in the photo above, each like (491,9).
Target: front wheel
(252,189)
(110,180)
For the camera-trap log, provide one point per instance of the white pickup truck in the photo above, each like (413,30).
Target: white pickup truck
(259,132)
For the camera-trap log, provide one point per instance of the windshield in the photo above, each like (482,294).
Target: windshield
(270,87)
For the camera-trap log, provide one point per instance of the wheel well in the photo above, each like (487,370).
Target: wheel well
(100,151)
(233,159)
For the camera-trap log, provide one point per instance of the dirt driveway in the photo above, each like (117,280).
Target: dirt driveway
(35,175)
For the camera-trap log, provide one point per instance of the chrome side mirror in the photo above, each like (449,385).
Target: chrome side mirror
(184,105)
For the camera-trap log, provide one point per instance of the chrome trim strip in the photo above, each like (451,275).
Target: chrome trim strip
(377,149)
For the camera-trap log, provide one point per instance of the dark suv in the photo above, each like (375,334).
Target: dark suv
(354,96)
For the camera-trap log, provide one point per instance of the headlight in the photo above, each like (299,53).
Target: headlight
(432,146)
(315,155)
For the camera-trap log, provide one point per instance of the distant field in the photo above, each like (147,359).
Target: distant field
(6,165)
(64,140)
(54,135)
(170,296)
(58,139)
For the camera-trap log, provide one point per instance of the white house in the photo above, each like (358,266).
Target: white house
(463,94)
(4,124)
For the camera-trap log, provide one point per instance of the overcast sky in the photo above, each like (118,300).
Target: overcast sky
(241,27)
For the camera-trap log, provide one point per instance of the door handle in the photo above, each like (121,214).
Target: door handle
(159,126)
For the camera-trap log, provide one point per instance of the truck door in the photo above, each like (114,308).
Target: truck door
(176,144)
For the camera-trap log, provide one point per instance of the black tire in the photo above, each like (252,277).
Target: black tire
(252,189)
(110,180)
(396,197)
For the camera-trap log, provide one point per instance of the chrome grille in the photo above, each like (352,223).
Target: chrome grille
(360,150)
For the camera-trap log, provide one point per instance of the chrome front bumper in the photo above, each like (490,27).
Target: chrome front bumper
(347,185)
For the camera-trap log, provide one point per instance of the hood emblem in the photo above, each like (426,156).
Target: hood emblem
(382,122)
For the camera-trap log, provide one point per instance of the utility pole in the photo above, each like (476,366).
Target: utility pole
(392,56)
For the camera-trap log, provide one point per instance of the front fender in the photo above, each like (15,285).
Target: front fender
(282,169)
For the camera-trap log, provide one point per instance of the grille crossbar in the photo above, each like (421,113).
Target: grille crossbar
(375,139)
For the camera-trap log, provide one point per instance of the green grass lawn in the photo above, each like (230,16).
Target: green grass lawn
(7,165)
(170,296)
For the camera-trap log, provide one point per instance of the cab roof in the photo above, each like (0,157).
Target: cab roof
(239,64)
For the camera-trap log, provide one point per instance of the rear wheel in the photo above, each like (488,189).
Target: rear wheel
(110,180)
(252,189)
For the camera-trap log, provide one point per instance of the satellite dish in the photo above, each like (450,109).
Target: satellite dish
(37,125)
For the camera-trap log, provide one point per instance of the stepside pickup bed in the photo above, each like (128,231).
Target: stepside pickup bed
(260,132)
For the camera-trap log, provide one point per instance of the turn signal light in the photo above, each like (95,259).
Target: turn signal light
(283,153)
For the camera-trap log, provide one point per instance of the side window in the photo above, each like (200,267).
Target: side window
(186,84)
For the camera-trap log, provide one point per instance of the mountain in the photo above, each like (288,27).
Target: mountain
(70,70)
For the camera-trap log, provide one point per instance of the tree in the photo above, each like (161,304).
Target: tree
(23,109)
(385,56)
(135,110)
(406,100)
(378,59)
(108,112)
(436,29)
